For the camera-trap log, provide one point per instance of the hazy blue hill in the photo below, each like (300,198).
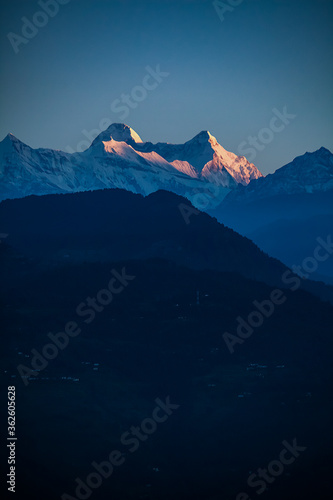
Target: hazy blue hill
(293,240)
(247,216)
(285,226)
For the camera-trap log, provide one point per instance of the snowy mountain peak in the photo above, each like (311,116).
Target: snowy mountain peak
(203,137)
(10,138)
(309,173)
(216,164)
(119,132)
(10,144)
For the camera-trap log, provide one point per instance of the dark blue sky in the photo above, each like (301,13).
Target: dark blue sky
(225,76)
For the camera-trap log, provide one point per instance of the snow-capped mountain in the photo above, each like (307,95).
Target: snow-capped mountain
(118,158)
(309,173)
(119,132)
(208,159)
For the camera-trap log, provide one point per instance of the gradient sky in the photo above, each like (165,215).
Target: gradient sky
(224,76)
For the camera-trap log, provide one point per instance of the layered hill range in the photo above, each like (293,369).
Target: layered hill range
(285,212)
(161,334)
(113,225)
(118,158)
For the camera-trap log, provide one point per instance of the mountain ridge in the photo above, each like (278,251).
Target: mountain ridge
(307,173)
(113,224)
(149,167)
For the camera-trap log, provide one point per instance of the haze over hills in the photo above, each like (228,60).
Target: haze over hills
(118,158)
(285,212)
(302,188)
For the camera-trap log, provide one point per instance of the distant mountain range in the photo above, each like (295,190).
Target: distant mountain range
(309,173)
(118,158)
(295,200)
